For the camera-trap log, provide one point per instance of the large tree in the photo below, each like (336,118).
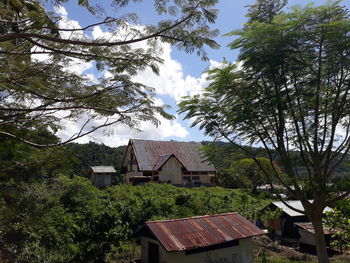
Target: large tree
(289,92)
(36,48)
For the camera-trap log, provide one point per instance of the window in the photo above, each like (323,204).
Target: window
(187,178)
(195,177)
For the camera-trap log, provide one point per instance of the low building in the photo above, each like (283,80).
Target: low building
(178,163)
(285,226)
(101,176)
(210,238)
(307,233)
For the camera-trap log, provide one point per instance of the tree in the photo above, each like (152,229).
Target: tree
(289,93)
(246,173)
(36,93)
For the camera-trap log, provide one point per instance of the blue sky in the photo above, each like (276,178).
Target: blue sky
(187,67)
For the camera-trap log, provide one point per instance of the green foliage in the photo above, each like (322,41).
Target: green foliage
(64,220)
(93,154)
(245,173)
(339,220)
(288,92)
(37,92)
(69,220)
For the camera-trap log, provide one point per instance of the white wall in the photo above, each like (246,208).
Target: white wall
(306,237)
(236,254)
(171,171)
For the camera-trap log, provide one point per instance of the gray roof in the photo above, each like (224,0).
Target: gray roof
(151,155)
(296,204)
(103,169)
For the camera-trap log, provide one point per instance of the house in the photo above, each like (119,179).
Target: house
(286,225)
(101,176)
(178,163)
(210,238)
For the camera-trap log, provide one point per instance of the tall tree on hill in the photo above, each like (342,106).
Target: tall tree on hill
(290,92)
(37,92)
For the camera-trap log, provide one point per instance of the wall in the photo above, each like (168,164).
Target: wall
(306,237)
(171,171)
(101,180)
(236,254)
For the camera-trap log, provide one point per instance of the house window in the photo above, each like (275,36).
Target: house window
(187,178)
(153,253)
(195,177)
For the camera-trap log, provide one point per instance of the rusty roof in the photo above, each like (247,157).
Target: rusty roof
(151,155)
(309,228)
(202,231)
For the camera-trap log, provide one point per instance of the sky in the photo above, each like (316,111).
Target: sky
(181,74)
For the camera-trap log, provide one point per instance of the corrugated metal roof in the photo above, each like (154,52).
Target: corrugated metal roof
(148,154)
(202,231)
(103,169)
(309,227)
(297,205)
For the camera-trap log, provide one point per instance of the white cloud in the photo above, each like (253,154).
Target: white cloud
(119,135)
(61,11)
(171,81)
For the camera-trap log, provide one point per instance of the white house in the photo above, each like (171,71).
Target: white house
(210,238)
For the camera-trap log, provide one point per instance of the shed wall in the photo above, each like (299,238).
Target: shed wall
(234,254)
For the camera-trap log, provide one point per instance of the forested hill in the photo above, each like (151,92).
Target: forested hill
(222,154)
(94,154)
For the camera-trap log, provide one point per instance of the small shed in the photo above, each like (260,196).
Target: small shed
(101,176)
(285,225)
(211,238)
(307,233)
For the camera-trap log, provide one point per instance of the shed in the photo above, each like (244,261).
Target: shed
(285,225)
(307,233)
(220,238)
(101,176)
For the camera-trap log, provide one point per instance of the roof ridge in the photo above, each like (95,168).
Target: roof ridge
(190,218)
(165,141)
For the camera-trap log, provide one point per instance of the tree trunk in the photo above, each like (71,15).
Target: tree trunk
(321,246)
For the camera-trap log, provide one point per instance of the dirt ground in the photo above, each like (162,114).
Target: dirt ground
(264,244)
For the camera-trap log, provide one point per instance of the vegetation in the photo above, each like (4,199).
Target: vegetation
(69,220)
(290,93)
(93,154)
(37,47)
(339,220)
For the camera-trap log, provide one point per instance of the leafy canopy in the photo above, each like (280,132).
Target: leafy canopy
(289,92)
(37,89)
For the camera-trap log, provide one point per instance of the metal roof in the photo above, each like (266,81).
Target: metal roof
(202,231)
(150,153)
(309,228)
(297,205)
(103,169)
